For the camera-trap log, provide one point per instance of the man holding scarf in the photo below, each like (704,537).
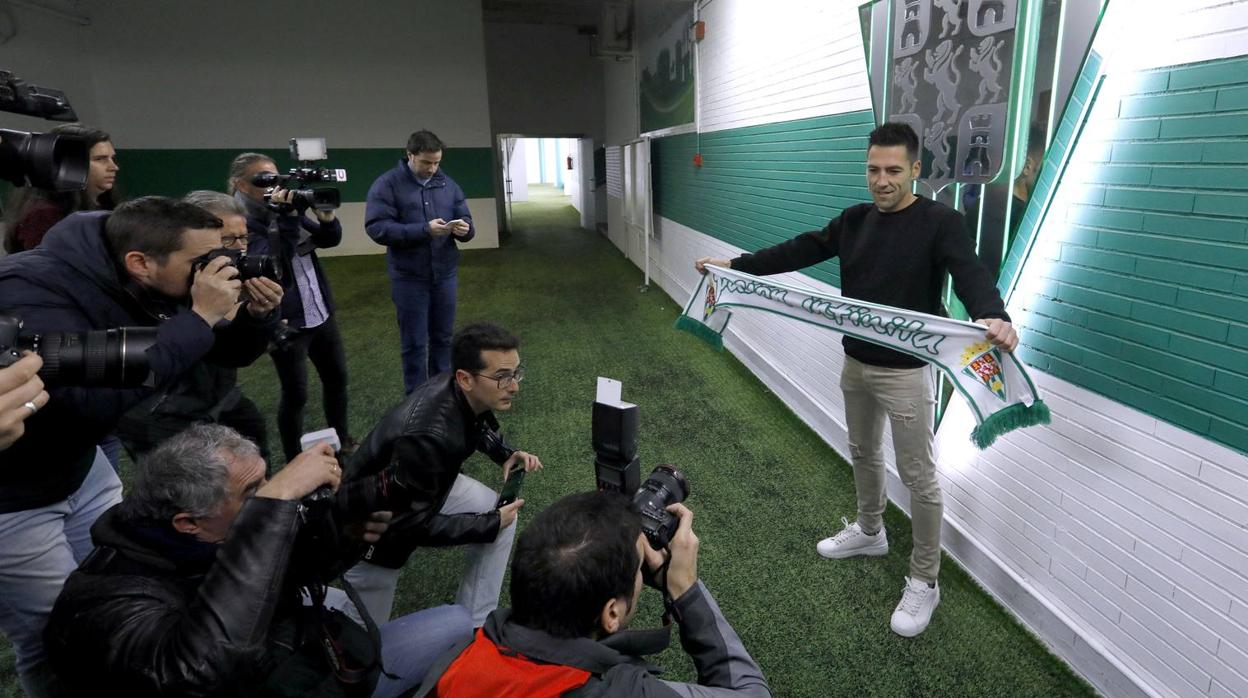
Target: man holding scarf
(894,251)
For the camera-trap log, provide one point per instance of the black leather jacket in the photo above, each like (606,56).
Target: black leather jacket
(420,446)
(154,613)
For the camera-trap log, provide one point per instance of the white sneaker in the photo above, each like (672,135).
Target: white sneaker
(852,541)
(918,600)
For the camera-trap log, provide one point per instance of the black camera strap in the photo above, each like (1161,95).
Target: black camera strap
(670,611)
(335,653)
(275,236)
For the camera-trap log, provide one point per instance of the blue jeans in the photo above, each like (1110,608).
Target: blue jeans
(409,645)
(426,312)
(38,550)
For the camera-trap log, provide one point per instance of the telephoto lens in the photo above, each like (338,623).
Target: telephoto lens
(114,358)
(665,486)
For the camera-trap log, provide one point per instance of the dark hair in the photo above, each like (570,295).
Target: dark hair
(892,133)
(576,555)
(424,142)
(1036,142)
(22,199)
(154,225)
(470,341)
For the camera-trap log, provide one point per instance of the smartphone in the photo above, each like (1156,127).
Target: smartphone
(511,487)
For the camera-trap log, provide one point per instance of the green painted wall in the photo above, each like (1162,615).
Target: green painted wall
(1148,303)
(760,185)
(174,172)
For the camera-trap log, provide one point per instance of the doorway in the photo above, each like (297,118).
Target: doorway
(553,170)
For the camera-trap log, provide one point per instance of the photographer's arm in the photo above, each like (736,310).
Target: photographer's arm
(384,223)
(242,341)
(202,648)
(724,667)
(325,229)
(180,342)
(214,642)
(418,471)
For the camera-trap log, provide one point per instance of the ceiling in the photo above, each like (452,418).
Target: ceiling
(576,13)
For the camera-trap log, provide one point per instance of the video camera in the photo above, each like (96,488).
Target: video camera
(305,151)
(617,466)
(44,160)
(115,358)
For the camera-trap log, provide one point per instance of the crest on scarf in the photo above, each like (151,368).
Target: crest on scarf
(982,361)
(709,307)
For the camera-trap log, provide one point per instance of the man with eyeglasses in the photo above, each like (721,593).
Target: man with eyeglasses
(208,393)
(415,453)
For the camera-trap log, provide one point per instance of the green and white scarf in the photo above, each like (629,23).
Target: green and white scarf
(994,382)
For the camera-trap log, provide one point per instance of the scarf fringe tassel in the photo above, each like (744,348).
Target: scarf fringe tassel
(1013,417)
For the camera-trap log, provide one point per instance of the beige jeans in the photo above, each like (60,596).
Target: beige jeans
(906,397)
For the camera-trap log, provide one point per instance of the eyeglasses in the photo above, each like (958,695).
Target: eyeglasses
(506,380)
(232,240)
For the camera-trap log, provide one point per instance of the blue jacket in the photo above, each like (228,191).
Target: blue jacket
(321,235)
(397,216)
(70,283)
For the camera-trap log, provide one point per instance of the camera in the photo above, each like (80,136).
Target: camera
(282,336)
(305,150)
(114,358)
(617,468)
(44,160)
(249,266)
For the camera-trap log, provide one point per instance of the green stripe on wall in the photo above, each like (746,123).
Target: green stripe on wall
(761,185)
(1146,300)
(174,172)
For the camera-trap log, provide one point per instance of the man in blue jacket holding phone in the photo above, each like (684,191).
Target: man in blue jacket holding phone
(419,213)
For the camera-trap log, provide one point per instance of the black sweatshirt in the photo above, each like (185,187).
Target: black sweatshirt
(897,259)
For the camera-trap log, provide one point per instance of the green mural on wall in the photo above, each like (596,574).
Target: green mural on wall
(666,93)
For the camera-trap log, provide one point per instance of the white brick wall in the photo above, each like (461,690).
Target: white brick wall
(779,60)
(1119,539)
(1164,32)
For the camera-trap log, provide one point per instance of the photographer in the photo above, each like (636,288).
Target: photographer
(575,584)
(416,452)
(208,393)
(189,590)
(21,396)
(31,211)
(307,308)
(99,270)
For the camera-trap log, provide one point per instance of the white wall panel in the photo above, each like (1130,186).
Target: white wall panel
(763,62)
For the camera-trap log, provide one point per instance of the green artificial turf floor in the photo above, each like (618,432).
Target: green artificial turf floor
(765,487)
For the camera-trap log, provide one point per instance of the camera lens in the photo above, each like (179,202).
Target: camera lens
(114,358)
(665,486)
(44,160)
(257,265)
